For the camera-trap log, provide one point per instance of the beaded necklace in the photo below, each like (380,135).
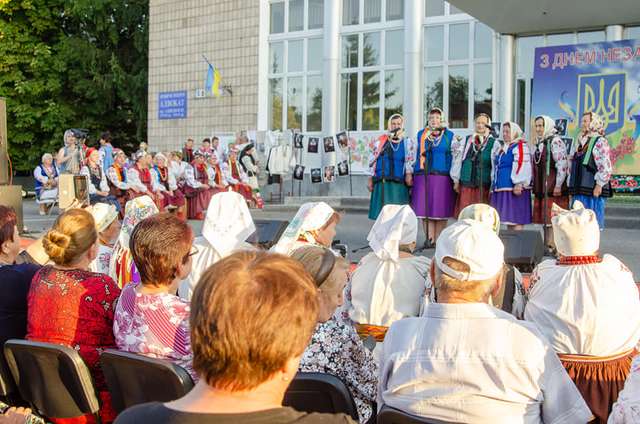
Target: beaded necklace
(579,260)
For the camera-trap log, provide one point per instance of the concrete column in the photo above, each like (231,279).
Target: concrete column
(331,66)
(413,85)
(507,77)
(263,67)
(614,32)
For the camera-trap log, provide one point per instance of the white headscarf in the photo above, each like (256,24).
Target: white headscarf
(576,231)
(228,222)
(482,213)
(514,130)
(396,225)
(549,127)
(310,217)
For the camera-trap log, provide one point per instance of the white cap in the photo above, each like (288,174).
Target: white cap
(576,231)
(474,244)
(104,215)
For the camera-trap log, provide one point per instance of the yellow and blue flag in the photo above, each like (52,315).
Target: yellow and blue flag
(212,85)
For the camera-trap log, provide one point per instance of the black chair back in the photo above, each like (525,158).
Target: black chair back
(389,415)
(319,392)
(7,385)
(133,379)
(52,378)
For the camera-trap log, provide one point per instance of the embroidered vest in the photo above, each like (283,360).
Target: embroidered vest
(390,162)
(504,166)
(477,164)
(583,172)
(436,158)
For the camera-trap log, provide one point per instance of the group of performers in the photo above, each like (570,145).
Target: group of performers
(485,168)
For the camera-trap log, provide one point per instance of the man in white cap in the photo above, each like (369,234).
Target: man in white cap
(108,227)
(466,361)
(587,306)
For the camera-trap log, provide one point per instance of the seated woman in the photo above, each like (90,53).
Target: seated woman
(247,338)
(237,178)
(197,188)
(149,318)
(70,305)
(119,187)
(314,223)
(108,227)
(389,281)
(165,182)
(46,175)
(97,180)
(335,347)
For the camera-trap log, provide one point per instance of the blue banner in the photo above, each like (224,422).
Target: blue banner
(172,105)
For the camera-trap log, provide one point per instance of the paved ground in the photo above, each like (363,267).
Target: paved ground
(354,228)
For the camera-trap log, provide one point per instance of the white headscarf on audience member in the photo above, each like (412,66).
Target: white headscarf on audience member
(396,225)
(225,229)
(309,218)
(576,231)
(482,213)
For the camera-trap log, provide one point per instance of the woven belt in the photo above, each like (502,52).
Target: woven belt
(588,358)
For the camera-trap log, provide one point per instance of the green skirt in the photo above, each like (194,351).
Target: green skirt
(394,194)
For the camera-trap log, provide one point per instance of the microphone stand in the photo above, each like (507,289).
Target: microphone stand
(545,174)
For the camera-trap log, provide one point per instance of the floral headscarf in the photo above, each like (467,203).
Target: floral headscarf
(596,126)
(514,130)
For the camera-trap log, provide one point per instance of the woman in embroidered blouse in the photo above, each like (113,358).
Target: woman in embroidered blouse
(46,176)
(119,187)
(315,223)
(165,182)
(97,180)
(70,305)
(149,318)
(335,347)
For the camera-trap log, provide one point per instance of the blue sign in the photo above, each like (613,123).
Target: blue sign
(172,105)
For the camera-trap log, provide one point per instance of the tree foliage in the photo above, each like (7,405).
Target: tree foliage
(80,64)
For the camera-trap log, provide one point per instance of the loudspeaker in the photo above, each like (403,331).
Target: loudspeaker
(72,187)
(268,232)
(523,249)
(11,195)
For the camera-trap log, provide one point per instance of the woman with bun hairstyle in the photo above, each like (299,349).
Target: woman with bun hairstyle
(72,306)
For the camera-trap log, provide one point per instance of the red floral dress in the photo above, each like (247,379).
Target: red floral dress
(75,308)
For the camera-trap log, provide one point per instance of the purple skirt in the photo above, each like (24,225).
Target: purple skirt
(513,210)
(442,198)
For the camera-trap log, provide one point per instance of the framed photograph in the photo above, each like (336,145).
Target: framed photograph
(495,126)
(312,145)
(316,175)
(343,139)
(297,140)
(329,145)
(568,141)
(298,172)
(343,168)
(561,127)
(329,174)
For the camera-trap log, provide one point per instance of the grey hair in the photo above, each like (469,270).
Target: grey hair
(67,133)
(47,156)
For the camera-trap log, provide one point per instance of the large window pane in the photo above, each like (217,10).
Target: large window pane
(434,43)
(454,10)
(395,10)
(314,54)
(433,88)
(277,18)
(276,58)
(350,12)
(316,13)
(393,93)
(591,37)
(372,10)
(458,41)
(370,101)
(350,51)
(521,106)
(525,49)
(394,47)
(349,101)
(371,49)
(294,102)
(483,41)
(560,39)
(314,103)
(296,15)
(482,88)
(632,32)
(458,96)
(275,104)
(294,57)
(434,7)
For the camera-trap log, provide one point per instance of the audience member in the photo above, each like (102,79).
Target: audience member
(197,188)
(314,223)
(46,176)
(119,187)
(106,150)
(187,151)
(97,180)
(70,156)
(108,227)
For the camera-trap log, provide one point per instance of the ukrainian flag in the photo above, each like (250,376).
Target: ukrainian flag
(213,81)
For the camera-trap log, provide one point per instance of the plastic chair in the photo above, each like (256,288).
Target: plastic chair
(133,379)
(8,387)
(389,415)
(319,392)
(52,378)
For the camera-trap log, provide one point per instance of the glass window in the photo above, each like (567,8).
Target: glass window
(294,57)
(434,43)
(296,15)
(521,96)
(277,18)
(372,10)
(591,36)
(458,41)
(276,58)
(525,50)
(434,7)
(458,96)
(349,101)
(483,41)
(394,47)
(370,101)
(314,103)
(350,51)
(433,88)
(314,54)
(294,102)
(316,14)
(454,10)
(275,103)
(560,39)
(393,93)
(482,89)
(632,32)
(371,49)
(350,12)
(395,10)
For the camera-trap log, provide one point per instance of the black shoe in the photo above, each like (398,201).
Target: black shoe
(428,244)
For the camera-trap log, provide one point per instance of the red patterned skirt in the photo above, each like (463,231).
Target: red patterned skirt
(469,196)
(538,206)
